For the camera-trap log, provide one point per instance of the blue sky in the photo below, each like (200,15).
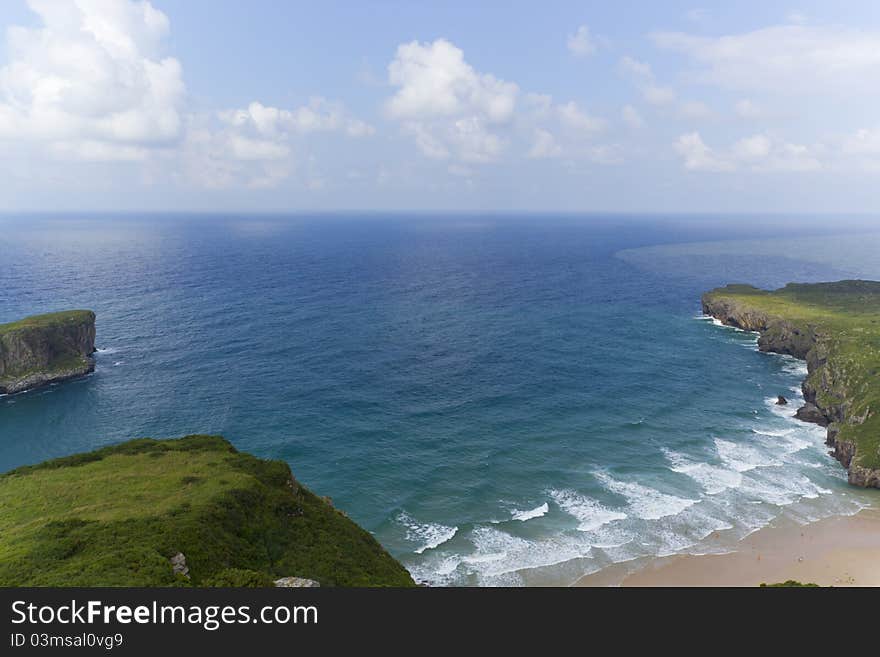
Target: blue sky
(563,106)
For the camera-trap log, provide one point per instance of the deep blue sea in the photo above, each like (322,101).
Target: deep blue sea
(500,400)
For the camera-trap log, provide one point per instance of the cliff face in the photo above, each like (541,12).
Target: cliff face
(45,349)
(834,389)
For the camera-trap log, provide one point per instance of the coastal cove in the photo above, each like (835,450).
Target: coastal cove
(832,326)
(496,400)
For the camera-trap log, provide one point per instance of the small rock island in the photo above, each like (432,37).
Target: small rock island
(835,327)
(46,349)
(192,511)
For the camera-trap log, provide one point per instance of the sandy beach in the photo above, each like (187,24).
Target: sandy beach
(839,551)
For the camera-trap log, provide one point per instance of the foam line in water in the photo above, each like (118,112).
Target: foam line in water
(428,535)
(713,478)
(743,458)
(644,502)
(537,512)
(588,512)
(498,556)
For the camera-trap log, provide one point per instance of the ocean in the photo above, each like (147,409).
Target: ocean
(500,400)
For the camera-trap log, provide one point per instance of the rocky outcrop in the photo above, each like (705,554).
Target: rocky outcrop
(46,349)
(809,412)
(178,565)
(829,401)
(295,583)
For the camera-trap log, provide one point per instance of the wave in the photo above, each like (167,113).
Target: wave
(500,558)
(782,490)
(644,502)
(429,535)
(713,478)
(588,512)
(537,512)
(743,458)
(774,434)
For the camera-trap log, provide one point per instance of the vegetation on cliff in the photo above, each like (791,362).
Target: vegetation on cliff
(117,516)
(46,348)
(836,328)
(789,584)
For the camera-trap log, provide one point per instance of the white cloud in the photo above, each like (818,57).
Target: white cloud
(435,80)
(757,153)
(783,60)
(694,109)
(631,117)
(748,109)
(454,112)
(657,95)
(218,157)
(544,145)
(255,146)
(91,82)
(859,151)
(573,117)
(643,76)
(863,142)
(756,147)
(449,108)
(473,142)
(636,68)
(581,43)
(320,115)
(698,156)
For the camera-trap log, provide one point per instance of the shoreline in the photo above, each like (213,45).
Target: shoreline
(835,551)
(833,381)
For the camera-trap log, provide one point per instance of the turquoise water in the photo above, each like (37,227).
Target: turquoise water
(501,400)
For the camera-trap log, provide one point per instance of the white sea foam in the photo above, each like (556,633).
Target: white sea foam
(781,490)
(644,502)
(795,366)
(713,478)
(768,432)
(537,512)
(718,322)
(589,513)
(609,537)
(498,553)
(428,535)
(743,458)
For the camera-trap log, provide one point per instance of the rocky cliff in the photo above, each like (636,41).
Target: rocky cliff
(45,349)
(812,323)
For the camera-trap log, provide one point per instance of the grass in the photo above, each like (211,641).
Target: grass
(115,516)
(49,320)
(845,318)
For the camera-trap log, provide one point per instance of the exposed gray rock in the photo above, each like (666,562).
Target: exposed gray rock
(781,401)
(809,412)
(295,583)
(178,565)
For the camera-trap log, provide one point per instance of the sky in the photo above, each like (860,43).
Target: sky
(209,105)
